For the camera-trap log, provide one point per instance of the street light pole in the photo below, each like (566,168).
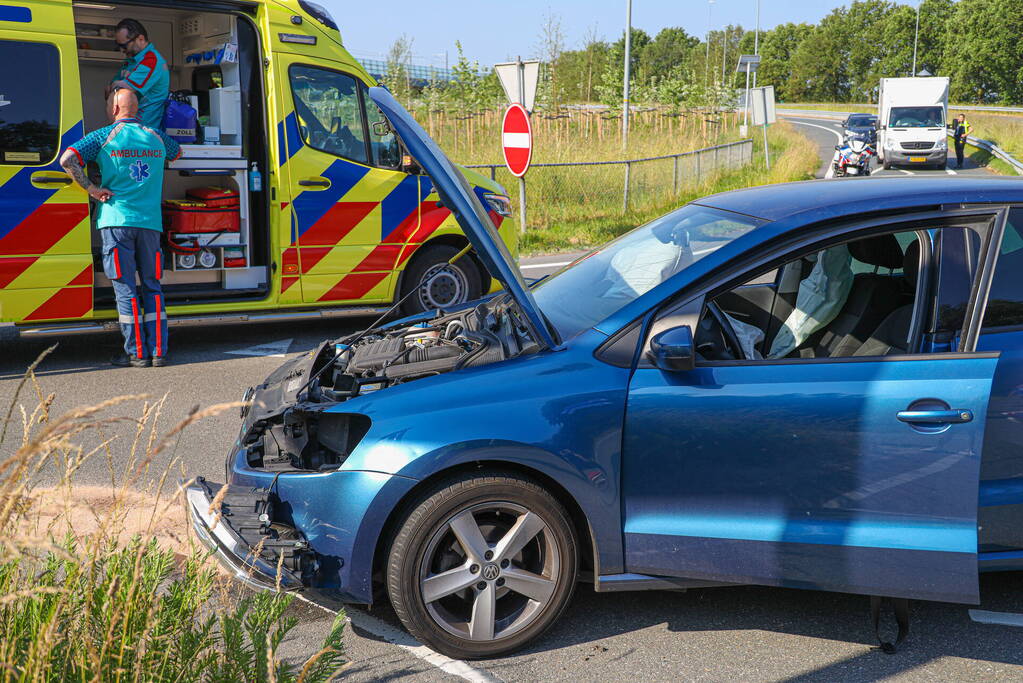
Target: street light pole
(916,37)
(706,62)
(628,74)
(756,42)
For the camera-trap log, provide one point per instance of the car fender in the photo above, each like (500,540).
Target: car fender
(559,414)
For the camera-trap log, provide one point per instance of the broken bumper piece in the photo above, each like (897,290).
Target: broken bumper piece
(230,548)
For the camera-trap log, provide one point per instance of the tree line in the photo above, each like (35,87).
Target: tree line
(976,43)
(840,59)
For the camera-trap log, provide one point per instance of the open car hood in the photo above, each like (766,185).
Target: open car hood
(456,195)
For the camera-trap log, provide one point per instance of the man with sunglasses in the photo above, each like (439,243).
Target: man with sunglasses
(144,71)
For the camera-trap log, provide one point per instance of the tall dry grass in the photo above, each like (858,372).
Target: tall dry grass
(103,583)
(580,135)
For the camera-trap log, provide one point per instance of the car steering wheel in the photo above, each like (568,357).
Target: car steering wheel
(727,333)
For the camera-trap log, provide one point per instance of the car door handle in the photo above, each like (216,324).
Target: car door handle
(314,183)
(935,416)
(44,179)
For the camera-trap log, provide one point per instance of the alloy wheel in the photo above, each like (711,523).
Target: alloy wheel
(489,571)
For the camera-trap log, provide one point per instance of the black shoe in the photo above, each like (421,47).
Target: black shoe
(959,167)
(159,361)
(123,360)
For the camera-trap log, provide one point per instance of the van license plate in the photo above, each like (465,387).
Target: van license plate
(918,159)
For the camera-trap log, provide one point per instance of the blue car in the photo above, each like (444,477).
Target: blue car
(816,385)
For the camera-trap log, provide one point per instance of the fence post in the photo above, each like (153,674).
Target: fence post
(625,195)
(674,175)
(699,167)
(717,165)
(493,173)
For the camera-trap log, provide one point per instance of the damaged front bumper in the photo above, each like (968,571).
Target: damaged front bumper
(234,552)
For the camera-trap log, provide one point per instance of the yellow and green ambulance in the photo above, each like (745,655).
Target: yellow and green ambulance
(333,216)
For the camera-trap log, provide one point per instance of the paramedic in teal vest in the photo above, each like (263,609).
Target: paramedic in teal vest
(131,159)
(144,71)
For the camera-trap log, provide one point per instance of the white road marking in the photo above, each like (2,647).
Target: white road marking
(830,173)
(275,349)
(816,125)
(399,638)
(1000,618)
(950,171)
(902,170)
(529,266)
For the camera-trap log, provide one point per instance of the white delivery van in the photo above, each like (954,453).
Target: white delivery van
(911,119)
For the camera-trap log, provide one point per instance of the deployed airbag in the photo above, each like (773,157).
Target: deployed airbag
(819,300)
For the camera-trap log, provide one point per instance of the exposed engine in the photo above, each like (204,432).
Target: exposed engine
(288,426)
(378,359)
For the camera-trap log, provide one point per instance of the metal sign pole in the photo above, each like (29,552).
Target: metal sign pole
(522,178)
(767,151)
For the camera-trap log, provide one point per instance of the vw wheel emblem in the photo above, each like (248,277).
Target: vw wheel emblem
(491,572)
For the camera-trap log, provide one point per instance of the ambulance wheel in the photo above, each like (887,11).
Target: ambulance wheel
(430,282)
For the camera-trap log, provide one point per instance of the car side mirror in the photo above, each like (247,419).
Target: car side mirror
(673,350)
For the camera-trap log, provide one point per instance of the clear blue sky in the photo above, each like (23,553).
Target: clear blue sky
(493,32)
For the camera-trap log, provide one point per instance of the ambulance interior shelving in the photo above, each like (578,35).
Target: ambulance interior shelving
(217,58)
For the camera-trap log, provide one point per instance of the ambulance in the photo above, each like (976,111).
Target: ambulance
(295,199)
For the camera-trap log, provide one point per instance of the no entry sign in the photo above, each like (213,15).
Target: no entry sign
(517,140)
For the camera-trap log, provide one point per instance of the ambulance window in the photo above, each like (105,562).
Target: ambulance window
(29,103)
(385,148)
(329,112)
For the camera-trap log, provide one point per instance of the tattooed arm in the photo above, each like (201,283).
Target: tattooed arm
(70,163)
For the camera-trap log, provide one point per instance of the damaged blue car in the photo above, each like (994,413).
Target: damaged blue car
(816,385)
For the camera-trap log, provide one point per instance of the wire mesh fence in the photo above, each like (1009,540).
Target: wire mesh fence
(561,192)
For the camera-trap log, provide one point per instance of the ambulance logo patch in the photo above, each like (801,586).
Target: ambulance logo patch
(139,171)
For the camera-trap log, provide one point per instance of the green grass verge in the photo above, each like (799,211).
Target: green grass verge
(794,157)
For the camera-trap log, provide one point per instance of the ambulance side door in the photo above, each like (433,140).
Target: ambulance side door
(45,247)
(352,210)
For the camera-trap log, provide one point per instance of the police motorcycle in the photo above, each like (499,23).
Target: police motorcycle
(852,157)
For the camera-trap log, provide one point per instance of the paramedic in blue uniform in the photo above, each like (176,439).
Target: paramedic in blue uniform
(144,71)
(131,158)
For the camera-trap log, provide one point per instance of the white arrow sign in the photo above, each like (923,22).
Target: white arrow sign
(4,101)
(275,349)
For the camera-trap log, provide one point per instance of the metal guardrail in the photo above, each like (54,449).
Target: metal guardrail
(964,107)
(645,177)
(980,143)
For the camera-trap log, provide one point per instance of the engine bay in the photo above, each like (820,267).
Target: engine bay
(288,426)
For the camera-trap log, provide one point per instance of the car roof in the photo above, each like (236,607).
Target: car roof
(816,200)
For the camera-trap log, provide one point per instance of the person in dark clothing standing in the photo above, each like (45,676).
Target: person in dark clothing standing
(960,129)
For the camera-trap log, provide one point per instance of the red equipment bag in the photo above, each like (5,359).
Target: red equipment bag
(206,209)
(215,197)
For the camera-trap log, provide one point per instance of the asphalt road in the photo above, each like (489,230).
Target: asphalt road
(745,633)
(827,133)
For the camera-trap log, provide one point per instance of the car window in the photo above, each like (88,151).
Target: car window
(1005,301)
(916,117)
(29,103)
(383,142)
(592,288)
(851,300)
(329,111)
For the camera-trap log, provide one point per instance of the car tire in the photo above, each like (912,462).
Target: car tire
(886,165)
(430,282)
(457,530)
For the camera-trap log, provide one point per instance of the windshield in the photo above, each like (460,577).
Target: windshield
(916,117)
(582,294)
(858,121)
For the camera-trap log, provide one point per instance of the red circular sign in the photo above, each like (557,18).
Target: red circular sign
(517,140)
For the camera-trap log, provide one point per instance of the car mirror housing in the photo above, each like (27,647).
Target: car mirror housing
(673,350)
